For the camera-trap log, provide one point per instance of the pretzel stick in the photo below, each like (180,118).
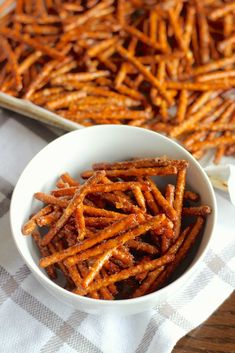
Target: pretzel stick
(139,198)
(136,172)
(49,199)
(230,150)
(108,232)
(190,195)
(183,103)
(181,253)
(214,65)
(74,274)
(98,212)
(13,61)
(48,219)
(216,75)
(98,222)
(221,149)
(29,226)
(141,163)
(53,248)
(143,38)
(142,246)
(96,295)
(222,11)
(204,36)
(109,114)
(65,100)
(216,126)
(44,252)
(96,267)
(202,145)
(121,12)
(177,31)
(196,211)
(198,86)
(200,101)
(178,200)
(158,223)
(161,201)
(136,63)
(178,130)
(80,221)
(153,275)
(189,25)
(78,196)
(123,256)
(228,29)
(124,274)
(170,195)
(95,11)
(112,287)
(22,38)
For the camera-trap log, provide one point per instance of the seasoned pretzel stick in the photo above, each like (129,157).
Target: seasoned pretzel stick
(44,252)
(135,62)
(183,103)
(124,274)
(142,246)
(181,253)
(170,195)
(161,201)
(158,223)
(212,66)
(135,172)
(98,212)
(22,38)
(223,140)
(143,38)
(153,275)
(196,211)
(30,226)
(78,196)
(222,11)
(96,267)
(204,35)
(13,61)
(141,163)
(50,199)
(178,200)
(120,225)
(178,130)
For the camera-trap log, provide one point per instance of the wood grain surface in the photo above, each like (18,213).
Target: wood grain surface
(216,335)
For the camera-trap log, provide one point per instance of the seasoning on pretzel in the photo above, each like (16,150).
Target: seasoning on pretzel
(117,226)
(139,63)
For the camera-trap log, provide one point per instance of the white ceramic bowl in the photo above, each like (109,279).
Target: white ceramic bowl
(75,152)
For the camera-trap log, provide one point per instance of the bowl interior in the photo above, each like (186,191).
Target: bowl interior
(76,152)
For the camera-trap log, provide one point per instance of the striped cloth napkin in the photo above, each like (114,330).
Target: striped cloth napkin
(31,320)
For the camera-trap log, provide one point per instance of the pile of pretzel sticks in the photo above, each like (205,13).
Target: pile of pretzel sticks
(118,235)
(168,66)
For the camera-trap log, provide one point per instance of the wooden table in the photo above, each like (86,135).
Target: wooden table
(216,335)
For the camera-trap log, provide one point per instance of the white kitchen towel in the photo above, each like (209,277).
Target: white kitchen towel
(31,320)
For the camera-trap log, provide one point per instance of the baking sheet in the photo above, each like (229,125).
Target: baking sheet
(221,177)
(35,112)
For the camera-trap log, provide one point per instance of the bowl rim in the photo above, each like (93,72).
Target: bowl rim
(119,302)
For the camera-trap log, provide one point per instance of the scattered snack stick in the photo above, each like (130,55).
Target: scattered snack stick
(116,228)
(139,63)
